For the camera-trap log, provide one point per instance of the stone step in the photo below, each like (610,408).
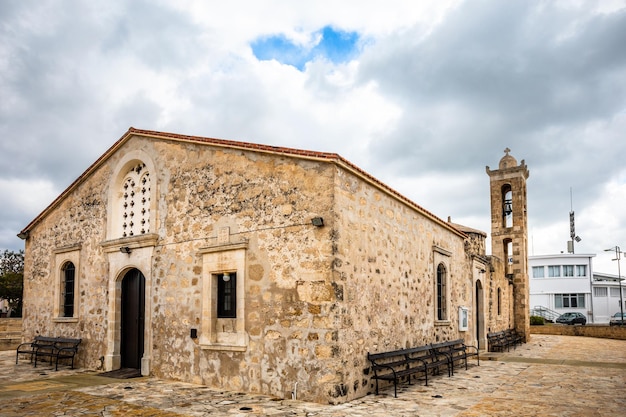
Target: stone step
(10,324)
(9,343)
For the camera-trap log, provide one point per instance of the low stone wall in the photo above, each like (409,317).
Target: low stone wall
(600,331)
(10,333)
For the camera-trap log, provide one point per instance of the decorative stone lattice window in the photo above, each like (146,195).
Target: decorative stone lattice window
(135,202)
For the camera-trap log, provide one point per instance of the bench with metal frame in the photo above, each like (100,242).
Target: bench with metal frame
(51,348)
(405,363)
(505,339)
(456,351)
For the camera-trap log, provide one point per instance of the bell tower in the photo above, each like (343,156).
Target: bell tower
(509,232)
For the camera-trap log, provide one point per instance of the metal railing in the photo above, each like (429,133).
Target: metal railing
(544,312)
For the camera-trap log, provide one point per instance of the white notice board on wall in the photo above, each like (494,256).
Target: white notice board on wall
(463,319)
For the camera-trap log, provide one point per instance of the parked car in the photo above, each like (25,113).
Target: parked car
(572,318)
(616,319)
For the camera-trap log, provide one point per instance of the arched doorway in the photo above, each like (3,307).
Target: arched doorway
(480,315)
(133,317)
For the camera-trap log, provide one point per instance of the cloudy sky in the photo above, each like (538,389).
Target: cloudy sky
(421,94)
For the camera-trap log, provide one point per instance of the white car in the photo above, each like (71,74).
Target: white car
(617,319)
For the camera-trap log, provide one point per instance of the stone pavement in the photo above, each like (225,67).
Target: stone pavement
(550,376)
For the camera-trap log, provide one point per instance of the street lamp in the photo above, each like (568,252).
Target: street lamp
(618,254)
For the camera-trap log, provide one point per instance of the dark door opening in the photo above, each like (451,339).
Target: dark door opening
(479,314)
(133,316)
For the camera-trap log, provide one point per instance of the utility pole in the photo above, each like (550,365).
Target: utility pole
(618,254)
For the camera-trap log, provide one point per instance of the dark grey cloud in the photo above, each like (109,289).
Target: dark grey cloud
(58,70)
(423,109)
(531,76)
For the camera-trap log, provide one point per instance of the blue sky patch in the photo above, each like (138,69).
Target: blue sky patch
(335,45)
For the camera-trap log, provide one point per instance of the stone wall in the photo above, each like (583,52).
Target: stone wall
(385,266)
(596,330)
(290,311)
(10,333)
(512,229)
(315,299)
(496,317)
(78,221)
(264,200)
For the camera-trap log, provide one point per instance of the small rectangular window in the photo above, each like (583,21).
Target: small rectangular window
(227,295)
(569,300)
(554,271)
(581,270)
(614,292)
(568,270)
(538,271)
(600,291)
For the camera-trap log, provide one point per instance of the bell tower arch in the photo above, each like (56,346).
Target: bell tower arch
(509,232)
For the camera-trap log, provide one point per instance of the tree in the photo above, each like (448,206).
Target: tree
(12,280)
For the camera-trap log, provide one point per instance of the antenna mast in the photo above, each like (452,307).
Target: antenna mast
(572,227)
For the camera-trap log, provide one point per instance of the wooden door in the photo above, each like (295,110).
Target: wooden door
(133,316)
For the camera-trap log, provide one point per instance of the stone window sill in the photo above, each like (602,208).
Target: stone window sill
(227,348)
(65,320)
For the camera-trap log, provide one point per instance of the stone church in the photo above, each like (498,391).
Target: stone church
(263,269)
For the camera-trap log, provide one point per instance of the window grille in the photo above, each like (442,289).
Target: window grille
(136,202)
(69,272)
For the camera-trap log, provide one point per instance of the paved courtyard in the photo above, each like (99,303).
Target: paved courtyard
(550,376)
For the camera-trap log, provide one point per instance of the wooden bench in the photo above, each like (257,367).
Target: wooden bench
(51,348)
(456,351)
(404,363)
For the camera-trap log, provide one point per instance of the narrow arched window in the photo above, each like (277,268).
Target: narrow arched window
(508,255)
(442,313)
(507,206)
(69,278)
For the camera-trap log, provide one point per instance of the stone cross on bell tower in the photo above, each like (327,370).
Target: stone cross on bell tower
(509,232)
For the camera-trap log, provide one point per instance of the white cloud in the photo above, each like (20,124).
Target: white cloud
(440,89)
(22,200)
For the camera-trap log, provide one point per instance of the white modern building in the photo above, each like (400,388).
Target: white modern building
(561,283)
(606,296)
(567,282)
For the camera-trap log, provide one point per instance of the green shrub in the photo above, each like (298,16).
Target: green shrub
(537,321)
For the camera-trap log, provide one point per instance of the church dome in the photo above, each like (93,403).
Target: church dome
(507,161)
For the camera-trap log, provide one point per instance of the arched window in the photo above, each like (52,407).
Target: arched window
(135,201)
(508,255)
(69,278)
(507,206)
(442,313)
